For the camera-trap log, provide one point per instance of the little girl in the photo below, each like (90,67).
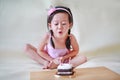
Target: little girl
(58,45)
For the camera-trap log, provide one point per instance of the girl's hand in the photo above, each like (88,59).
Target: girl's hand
(61,59)
(57,60)
(49,65)
(52,65)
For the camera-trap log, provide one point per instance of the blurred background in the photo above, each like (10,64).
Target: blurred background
(96,22)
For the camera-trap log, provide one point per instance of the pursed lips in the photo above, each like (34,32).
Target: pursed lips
(60,32)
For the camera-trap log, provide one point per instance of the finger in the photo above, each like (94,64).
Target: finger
(50,63)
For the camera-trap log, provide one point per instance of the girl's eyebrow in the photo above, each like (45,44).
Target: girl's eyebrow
(62,21)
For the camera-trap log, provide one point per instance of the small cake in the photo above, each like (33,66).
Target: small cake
(65,69)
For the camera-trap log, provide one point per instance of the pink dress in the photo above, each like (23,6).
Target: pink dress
(54,53)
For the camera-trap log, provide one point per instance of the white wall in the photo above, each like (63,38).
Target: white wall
(96,22)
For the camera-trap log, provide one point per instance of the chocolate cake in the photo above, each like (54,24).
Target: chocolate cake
(65,69)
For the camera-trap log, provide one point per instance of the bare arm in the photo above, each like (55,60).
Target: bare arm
(40,49)
(75,48)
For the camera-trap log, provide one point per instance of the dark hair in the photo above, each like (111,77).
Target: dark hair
(70,17)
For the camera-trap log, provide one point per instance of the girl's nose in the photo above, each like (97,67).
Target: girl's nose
(59,26)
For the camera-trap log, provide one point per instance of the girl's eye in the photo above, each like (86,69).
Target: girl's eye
(56,24)
(64,24)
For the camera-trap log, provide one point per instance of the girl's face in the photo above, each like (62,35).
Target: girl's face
(60,25)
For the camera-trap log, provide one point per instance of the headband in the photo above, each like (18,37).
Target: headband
(54,9)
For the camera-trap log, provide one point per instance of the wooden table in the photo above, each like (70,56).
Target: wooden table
(96,73)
